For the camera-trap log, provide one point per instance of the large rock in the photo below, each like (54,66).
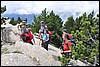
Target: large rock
(10,34)
(15,59)
(36,55)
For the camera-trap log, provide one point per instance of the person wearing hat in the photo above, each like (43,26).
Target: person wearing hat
(22,27)
(41,31)
(64,31)
(45,40)
(43,25)
(66,46)
(70,38)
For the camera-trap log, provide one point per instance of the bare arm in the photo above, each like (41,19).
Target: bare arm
(47,39)
(67,51)
(18,26)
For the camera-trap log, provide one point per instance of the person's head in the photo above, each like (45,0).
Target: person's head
(65,36)
(42,23)
(23,22)
(64,31)
(29,29)
(45,31)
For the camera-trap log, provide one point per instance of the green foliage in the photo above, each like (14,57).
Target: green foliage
(19,20)
(28,25)
(86,32)
(64,60)
(3,9)
(13,22)
(69,24)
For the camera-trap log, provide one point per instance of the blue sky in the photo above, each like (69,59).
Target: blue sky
(28,7)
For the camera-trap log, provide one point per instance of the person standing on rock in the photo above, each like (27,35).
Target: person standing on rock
(41,31)
(66,46)
(45,40)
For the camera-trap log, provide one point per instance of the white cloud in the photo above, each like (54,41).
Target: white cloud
(27,7)
(21,11)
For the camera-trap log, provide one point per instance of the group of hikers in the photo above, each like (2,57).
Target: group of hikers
(45,37)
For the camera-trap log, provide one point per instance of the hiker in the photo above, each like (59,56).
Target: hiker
(27,37)
(66,46)
(22,27)
(45,39)
(41,31)
(71,38)
(43,25)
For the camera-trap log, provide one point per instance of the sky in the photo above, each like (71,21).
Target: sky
(28,7)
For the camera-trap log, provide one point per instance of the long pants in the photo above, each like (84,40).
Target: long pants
(45,45)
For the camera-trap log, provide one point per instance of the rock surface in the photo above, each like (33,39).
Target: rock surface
(33,55)
(10,34)
(17,53)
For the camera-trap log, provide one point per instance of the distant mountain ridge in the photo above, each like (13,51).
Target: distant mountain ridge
(30,17)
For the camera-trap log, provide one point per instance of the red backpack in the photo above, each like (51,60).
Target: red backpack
(30,35)
(50,33)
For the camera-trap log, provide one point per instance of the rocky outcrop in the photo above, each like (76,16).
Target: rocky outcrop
(15,59)
(25,54)
(10,34)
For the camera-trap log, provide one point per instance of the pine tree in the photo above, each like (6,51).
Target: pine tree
(13,22)
(69,24)
(3,9)
(19,20)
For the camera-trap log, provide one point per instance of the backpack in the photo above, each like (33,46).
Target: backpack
(50,35)
(30,35)
(72,40)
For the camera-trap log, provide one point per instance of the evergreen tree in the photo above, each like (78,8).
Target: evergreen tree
(19,20)
(13,22)
(69,24)
(3,9)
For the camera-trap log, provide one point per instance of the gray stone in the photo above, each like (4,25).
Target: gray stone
(36,53)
